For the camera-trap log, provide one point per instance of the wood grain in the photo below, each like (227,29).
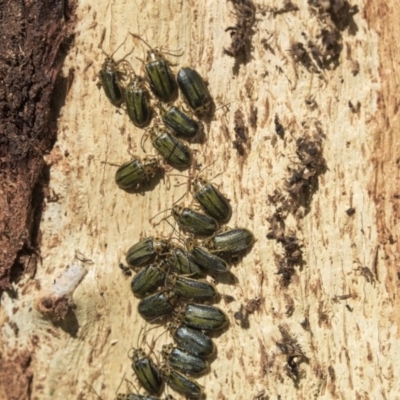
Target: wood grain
(351,342)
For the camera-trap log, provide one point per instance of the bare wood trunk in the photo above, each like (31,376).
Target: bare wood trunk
(344,318)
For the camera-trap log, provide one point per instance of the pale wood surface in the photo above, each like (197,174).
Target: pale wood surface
(353,354)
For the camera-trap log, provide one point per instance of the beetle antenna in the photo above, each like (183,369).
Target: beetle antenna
(180,184)
(128,354)
(164,175)
(143,140)
(112,55)
(170,236)
(174,53)
(167,209)
(225,105)
(216,176)
(146,333)
(179,240)
(100,46)
(126,55)
(142,61)
(138,338)
(173,227)
(155,355)
(180,198)
(131,383)
(180,176)
(93,390)
(209,165)
(162,333)
(120,384)
(140,38)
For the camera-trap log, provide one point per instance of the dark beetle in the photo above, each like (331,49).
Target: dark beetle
(181,383)
(183,263)
(211,200)
(171,149)
(198,289)
(202,316)
(110,83)
(157,305)
(146,250)
(133,173)
(185,362)
(231,242)
(110,74)
(194,89)
(180,123)
(132,396)
(205,259)
(209,261)
(193,222)
(161,79)
(192,340)
(146,372)
(148,279)
(137,102)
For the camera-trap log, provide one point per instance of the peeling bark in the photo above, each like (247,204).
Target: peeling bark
(32,35)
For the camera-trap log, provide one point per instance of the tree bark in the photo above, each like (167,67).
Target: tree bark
(315,307)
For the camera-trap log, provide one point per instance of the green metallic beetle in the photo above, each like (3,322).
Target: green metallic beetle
(110,75)
(137,396)
(194,222)
(183,263)
(205,259)
(231,242)
(137,102)
(195,90)
(197,289)
(132,396)
(180,123)
(184,362)
(146,250)
(171,149)
(147,373)
(157,305)
(135,172)
(181,383)
(211,200)
(149,278)
(202,316)
(110,83)
(160,76)
(192,340)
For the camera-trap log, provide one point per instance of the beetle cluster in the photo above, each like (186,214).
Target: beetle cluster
(123,87)
(170,279)
(171,284)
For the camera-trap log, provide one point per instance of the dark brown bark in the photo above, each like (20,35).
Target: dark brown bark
(34,39)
